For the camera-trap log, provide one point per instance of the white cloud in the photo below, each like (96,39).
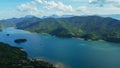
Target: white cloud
(47,7)
(98,2)
(115,3)
(93,1)
(82,8)
(100,10)
(39,1)
(35,7)
(102,3)
(29,8)
(63,7)
(50,5)
(59,13)
(59,6)
(55,5)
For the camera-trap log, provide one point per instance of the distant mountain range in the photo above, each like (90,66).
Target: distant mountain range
(56,16)
(115,16)
(18,20)
(87,27)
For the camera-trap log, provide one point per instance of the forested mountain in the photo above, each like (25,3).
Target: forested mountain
(87,27)
(27,20)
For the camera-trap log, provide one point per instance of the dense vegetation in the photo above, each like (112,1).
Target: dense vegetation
(20,40)
(87,27)
(13,57)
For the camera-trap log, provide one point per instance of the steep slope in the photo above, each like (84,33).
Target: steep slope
(87,27)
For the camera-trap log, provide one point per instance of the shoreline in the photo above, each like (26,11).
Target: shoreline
(81,38)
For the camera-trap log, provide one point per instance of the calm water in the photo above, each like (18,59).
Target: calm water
(71,52)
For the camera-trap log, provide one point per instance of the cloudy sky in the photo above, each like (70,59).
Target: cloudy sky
(20,8)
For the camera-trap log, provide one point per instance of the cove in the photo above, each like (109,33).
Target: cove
(71,52)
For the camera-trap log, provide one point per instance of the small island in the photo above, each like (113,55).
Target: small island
(7,34)
(20,40)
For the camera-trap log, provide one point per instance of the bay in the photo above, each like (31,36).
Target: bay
(67,52)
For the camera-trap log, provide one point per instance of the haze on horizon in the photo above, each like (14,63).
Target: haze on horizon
(20,8)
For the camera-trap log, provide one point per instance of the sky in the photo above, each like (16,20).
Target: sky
(20,8)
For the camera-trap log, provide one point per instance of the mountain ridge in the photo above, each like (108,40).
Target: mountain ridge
(87,27)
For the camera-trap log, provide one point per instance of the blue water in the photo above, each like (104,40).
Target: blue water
(71,52)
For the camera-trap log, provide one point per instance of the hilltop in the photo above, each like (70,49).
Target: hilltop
(87,27)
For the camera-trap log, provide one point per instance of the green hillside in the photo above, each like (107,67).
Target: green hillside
(87,27)
(13,57)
